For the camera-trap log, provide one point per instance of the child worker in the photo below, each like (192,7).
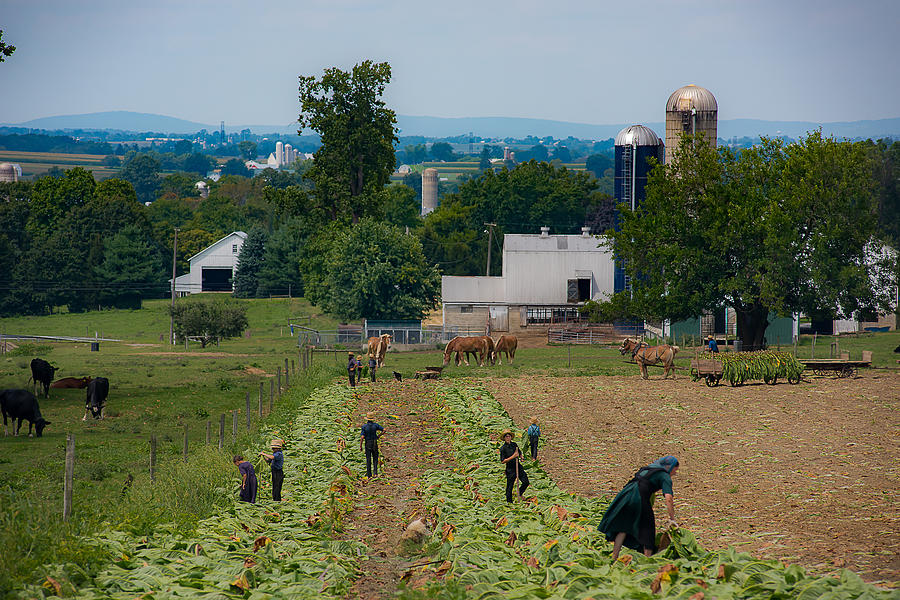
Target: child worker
(368,436)
(534,434)
(276,462)
(248,479)
(512,458)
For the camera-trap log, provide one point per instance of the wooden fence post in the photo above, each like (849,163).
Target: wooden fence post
(271,394)
(208,430)
(293,368)
(153,458)
(247,408)
(221,431)
(185,443)
(278,375)
(286,377)
(260,399)
(234,417)
(70,475)
(570,356)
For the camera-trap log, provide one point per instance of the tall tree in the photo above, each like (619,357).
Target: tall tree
(132,269)
(142,172)
(374,270)
(248,149)
(249,264)
(776,229)
(280,272)
(442,151)
(357,130)
(199,163)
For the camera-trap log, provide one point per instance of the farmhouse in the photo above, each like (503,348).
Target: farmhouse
(212,269)
(545,279)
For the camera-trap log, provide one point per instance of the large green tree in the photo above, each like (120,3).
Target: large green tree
(132,269)
(209,320)
(775,229)
(280,272)
(249,263)
(371,270)
(357,131)
(142,172)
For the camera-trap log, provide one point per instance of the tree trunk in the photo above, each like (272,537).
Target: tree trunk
(752,322)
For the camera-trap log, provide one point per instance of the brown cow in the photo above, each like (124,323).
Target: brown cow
(508,344)
(378,347)
(644,355)
(465,345)
(71,383)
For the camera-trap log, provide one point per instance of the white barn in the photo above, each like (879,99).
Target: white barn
(212,269)
(545,279)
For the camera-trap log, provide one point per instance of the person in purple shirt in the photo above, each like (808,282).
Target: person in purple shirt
(248,479)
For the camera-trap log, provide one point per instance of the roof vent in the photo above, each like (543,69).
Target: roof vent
(585,232)
(545,232)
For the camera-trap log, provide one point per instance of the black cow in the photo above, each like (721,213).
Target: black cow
(21,404)
(42,372)
(97,391)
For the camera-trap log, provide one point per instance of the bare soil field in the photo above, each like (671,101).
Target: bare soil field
(806,473)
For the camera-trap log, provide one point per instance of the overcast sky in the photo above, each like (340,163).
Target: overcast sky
(589,61)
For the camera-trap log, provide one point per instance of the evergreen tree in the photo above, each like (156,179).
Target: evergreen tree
(250,261)
(280,271)
(131,269)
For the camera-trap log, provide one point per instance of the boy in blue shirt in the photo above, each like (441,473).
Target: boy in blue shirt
(534,434)
(369,435)
(276,461)
(713,346)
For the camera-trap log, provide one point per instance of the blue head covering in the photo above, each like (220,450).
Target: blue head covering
(668,463)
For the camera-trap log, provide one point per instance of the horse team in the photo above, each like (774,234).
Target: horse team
(483,348)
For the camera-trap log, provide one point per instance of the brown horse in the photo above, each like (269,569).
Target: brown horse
(489,351)
(465,345)
(508,344)
(644,354)
(378,347)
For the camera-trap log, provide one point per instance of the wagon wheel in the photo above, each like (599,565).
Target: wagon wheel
(712,381)
(848,371)
(771,380)
(820,372)
(794,379)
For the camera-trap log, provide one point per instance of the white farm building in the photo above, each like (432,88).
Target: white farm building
(212,269)
(545,279)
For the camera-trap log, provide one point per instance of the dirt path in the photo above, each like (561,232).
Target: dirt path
(806,473)
(412,443)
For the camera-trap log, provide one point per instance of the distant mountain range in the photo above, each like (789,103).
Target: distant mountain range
(493,127)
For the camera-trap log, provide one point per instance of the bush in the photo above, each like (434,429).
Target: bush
(30,350)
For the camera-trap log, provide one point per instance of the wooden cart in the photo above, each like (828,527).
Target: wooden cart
(709,369)
(835,367)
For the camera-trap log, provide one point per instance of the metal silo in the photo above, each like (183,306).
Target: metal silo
(693,110)
(634,146)
(429,190)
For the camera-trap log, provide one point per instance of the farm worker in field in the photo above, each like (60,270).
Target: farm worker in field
(373,364)
(248,479)
(534,434)
(713,346)
(369,435)
(629,519)
(276,462)
(359,368)
(351,369)
(512,458)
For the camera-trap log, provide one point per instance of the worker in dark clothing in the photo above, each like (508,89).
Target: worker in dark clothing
(373,364)
(534,435)
(629,519)
(359,368)
(711,344)
(351,370)
(369,435)
(276,461)
(512,458)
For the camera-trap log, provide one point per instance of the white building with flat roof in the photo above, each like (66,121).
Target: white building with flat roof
(545,279)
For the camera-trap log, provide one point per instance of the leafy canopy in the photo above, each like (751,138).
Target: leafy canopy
(208,320)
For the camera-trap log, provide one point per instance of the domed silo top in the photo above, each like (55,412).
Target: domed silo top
(691,97)
(637,135)
(430,171)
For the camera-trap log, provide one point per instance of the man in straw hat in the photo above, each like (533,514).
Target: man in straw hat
(351,369)
(534,435)
(511,457)
(369,435)
(711,344)
(276,461)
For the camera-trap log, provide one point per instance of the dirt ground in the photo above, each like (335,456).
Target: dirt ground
(805,473)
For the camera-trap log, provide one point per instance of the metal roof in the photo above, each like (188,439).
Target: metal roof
(637,135)
(691,96)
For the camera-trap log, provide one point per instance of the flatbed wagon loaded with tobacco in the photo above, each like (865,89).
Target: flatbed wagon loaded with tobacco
(739,367)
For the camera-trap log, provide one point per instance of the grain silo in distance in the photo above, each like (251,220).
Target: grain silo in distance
(693,110)
(634,146)
(429,190)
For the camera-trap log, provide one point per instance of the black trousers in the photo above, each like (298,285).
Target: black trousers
(372,374)
(352,375)
(358,374)
(277,480)
(371,457)
(511,482)
(533,439)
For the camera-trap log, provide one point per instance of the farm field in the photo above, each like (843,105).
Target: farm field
(803,473)
(36,164)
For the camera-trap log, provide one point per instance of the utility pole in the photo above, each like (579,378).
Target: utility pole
(490,233)
(172,315)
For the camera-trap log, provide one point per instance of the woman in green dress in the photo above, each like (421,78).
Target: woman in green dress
(629,519)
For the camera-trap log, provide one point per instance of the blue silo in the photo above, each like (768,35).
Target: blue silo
(634,146)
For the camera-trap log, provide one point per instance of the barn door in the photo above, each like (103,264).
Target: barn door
(572,290)
(499,318)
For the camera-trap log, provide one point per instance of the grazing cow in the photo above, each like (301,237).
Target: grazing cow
(42,372)
(21,404)
(464,346)
(97,391)
(378,347)
(645,355)
(70,383)
(508,344)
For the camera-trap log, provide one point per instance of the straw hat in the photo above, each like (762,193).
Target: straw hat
(350,353)
(276,444)
(534,420)
(505,433)
(370,416)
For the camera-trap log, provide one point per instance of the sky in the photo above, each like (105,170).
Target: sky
(585,61)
